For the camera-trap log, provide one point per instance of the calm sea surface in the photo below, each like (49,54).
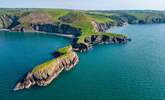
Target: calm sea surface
(134,71)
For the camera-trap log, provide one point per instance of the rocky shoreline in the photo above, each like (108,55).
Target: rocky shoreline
(48,28)
(98,39)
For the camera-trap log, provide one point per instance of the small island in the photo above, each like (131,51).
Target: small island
(43,74)
(84,28)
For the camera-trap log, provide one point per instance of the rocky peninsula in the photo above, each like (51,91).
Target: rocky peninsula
(43,74)
(85,28)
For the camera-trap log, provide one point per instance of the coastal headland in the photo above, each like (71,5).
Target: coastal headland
(84,28)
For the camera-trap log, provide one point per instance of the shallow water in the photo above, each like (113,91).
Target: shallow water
(134,71)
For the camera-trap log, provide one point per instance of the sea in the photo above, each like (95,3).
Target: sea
(132,71)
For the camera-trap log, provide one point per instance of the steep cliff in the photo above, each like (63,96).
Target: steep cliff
(44,74)
(50,28)
(6,21)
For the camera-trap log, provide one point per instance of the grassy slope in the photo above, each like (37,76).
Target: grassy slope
(100,19)
(64,52)
(65,49)
(82,20)
(43,66)
(56,13)
(79,20)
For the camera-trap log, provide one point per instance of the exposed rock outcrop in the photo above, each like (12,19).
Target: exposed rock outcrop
(50,28)
(6,21)
(100,27)
(98,39)
(44,74)
(154,19)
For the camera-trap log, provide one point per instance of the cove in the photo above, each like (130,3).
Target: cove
(134,71)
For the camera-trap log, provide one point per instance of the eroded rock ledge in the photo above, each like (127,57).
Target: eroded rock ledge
(91,40)
(101,27)
(43,74)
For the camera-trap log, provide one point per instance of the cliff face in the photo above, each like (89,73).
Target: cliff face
(6,22)
(105,39)
(155,19)
(44,74)
(51,28)
(100,27)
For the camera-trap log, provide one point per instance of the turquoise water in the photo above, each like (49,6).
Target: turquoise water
(135,71)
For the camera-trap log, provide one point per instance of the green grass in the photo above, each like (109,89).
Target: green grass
(65,49)
(46,66)
(100,19)
(78,19)
(140,16)
(103,13)
(56,13)
(82,20)
(43,66)
(65,52)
